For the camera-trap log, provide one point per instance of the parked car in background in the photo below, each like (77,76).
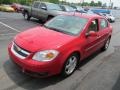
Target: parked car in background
(17,7)
(42,10)
(90,12)
(79,9)
(60,45)
(109,17)
(103,12)
(6,8)
(67,8)
(97,10)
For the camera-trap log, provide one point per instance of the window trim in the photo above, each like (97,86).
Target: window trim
(98,29)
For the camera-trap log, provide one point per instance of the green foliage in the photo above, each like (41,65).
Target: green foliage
(92,3)
(85,4)
(6,1)
(54,1)
(28,2)
(99,3)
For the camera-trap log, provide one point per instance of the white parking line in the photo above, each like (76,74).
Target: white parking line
(9,27)
(6,38)
(8,34)
(2,18)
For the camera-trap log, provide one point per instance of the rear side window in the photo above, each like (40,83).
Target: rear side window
(36,5)
(103,24)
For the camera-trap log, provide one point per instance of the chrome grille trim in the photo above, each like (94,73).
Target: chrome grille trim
(21,51)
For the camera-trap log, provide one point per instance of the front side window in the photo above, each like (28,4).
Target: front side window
(52,6)
(103,24)
(67,24)
(43,6)
(93,26)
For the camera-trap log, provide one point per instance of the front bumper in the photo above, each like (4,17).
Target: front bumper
(36,68)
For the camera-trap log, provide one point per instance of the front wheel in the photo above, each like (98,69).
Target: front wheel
(70,65)
(26,16)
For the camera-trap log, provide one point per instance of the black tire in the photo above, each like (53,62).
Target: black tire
(49,18)
(27,16)
(106,45)
(66,73)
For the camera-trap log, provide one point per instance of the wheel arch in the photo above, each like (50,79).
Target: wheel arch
(69,54)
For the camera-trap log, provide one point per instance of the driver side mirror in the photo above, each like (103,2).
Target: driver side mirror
(91,33)
(44,8)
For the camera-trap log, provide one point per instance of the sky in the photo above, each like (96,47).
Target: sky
(116,2)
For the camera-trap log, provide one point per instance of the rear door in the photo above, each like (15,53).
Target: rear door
(42,13)
(104,31)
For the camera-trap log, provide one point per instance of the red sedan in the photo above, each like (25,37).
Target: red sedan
(59,45)
(17,7)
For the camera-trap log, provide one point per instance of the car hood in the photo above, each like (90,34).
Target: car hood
(41,38)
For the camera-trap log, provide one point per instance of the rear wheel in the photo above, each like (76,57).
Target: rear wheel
(70,65)
(49,18)
(106,45)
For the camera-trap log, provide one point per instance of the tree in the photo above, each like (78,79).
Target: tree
(99,3)
(92,3)
(6,1)
(1,1)
(85,4)
(54,1)
(104,5)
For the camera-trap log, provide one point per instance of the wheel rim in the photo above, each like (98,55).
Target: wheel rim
(107,44)
(71,65)
(25,16)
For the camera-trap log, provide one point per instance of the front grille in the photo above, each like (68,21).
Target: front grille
(19,52)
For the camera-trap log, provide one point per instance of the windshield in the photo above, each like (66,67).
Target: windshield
(69,9)
(52,6)
(79,8)
(67,24)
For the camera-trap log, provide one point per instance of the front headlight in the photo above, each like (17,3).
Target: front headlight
(46,55)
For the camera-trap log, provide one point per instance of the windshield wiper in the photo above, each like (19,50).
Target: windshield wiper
(52,28)
(58,30)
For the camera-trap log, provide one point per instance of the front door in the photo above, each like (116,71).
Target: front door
(92,42)
(35,9)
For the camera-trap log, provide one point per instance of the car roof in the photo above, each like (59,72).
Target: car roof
(44,2)
(66,6)
(84,15)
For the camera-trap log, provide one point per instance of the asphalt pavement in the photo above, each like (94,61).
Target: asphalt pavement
(101,71)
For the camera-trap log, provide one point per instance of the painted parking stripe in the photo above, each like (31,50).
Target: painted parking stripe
(8,34)
(9,27)
(2,18)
